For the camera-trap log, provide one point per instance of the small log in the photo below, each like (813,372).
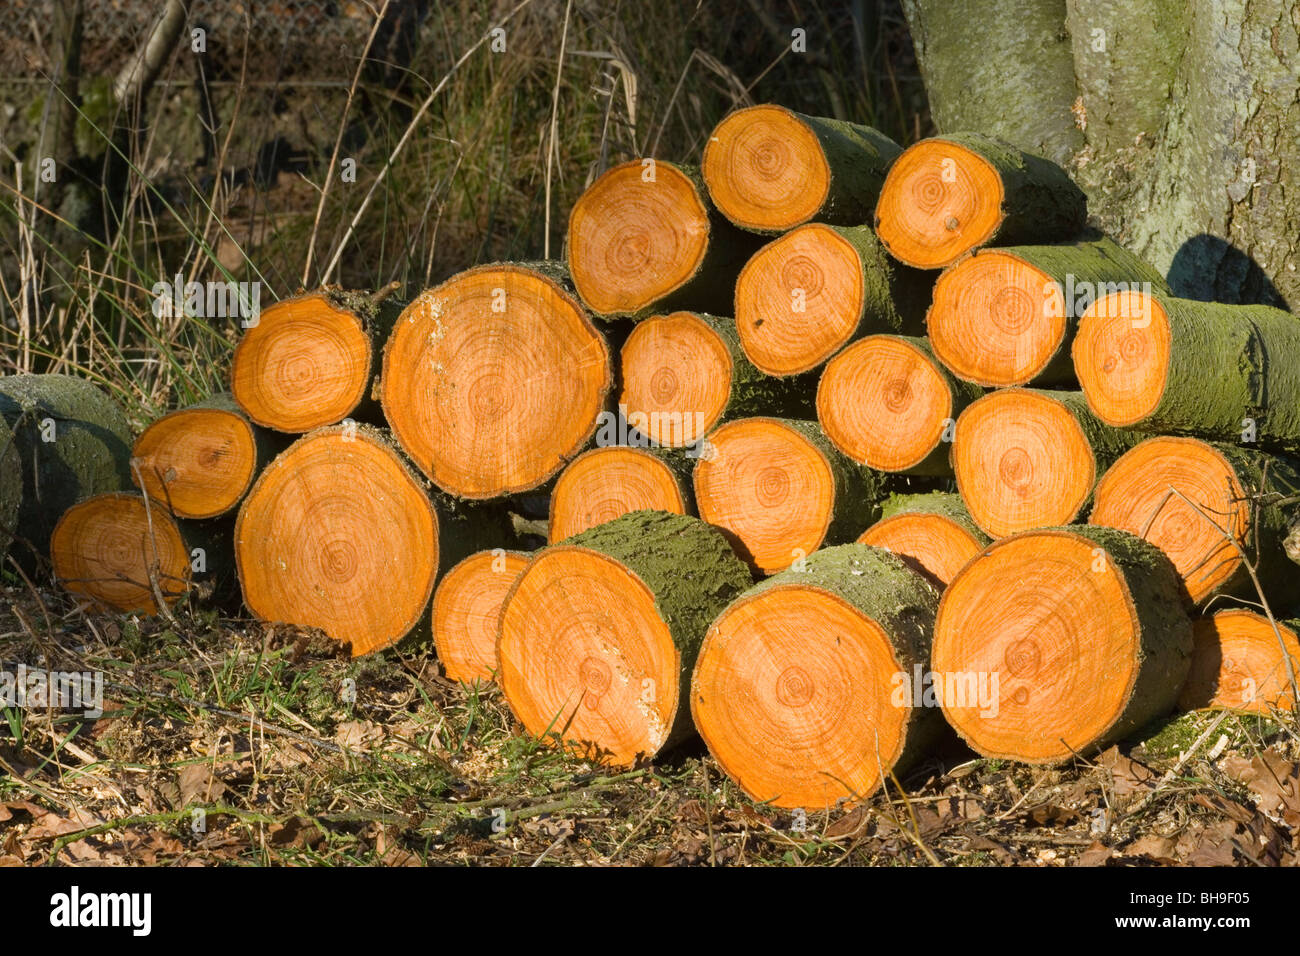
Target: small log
(607,483)
(949,195)
(770,169)
(933,532)
(1238,664)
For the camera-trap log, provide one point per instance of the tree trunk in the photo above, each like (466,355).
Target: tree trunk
(600,634)
(467,612)
(1085,631)
(1224,372)
(73,441)
(607,483)
(1187,148)
(494,379)
(1030,459)
(801,689)
(770,169)
(780,490)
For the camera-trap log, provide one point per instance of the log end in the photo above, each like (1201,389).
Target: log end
(765,169)
(677,374)
(467,613)
(799,299)
(200,461)
(934,544)
(1121,356)
(1238,665)
(940,200)
(607,483)
(305,364)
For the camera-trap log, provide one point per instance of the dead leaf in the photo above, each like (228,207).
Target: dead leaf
(197,783)
(358,735)
(1095,855)
(1128,775)
(1275,782)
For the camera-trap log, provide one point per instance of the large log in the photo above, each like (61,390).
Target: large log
(1186,496)
(934,532)
(949,195)
(1026,458)
(644,238)
(1082,633)
(339,533)
(72,440)
(202,459)
(802,688)
(884,401)
(806,295)
(780,490)
(685,373)
(1007,316)
(1222,372)
(770,169)
(494,379)
(599,634)
(312,360)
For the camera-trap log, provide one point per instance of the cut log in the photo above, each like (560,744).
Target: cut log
(121,552)
(644,238)
(885,401)
(1185,496)
(806,295)
(1223,372)
(312,360)
(1026,458)
(770,169)
(338,533)
(606,483)
(780,490)
(72,440)
(202,460)
(599,634)
(494,379)
(1081,634)
(467,612)
(802,688)
(685,373)
(948,195)
(1238,664)
(932,532)
(1007,316)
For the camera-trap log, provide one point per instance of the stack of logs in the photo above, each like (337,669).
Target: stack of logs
(981,462)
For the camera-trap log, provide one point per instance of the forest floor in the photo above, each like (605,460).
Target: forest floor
(224,741)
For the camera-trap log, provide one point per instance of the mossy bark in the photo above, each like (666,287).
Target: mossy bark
(1232,368)
(1164,629)
(895,297)
(72,440)
(689,568)
(945,504)
(901,601)
(11,487)
(1084,271)
(1040,203)
(1020,51)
